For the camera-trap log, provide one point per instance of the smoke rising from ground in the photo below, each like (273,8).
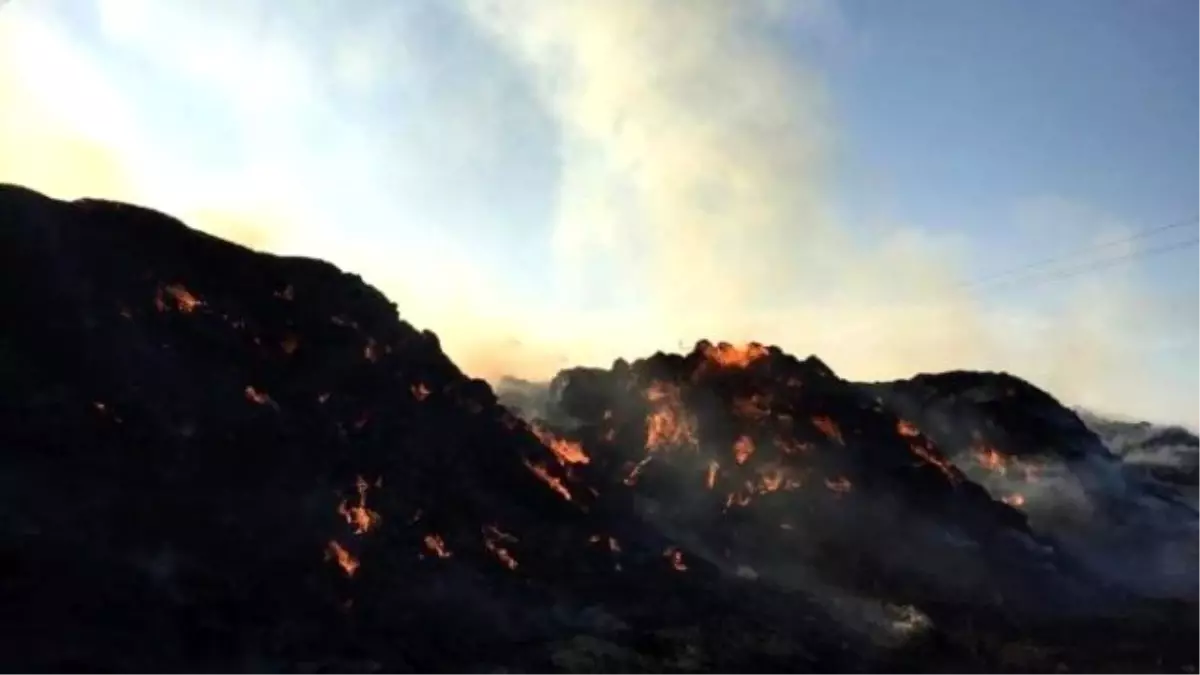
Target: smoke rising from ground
(692,196)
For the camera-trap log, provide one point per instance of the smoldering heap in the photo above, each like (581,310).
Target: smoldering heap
(225,460)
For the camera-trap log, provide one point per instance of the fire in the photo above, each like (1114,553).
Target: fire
(743,447)
(437,546)
(362,518)
(907,429)
(828,427)
(991,459)
(675,556)
(668,424)
(347,562)
(731,356)
(420,391)
(567,452)
(840,485)
(544,474)
(257,396)
(1015,499)
(184,301)
(492,538)
(931,457)
(790,446)
(772,479)
(711,479)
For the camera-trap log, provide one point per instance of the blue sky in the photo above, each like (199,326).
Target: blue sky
(550,183)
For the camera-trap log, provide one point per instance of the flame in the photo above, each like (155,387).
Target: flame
(437,546)
(840,484)
(420,391)
(492,537)
(184,301)
(676,557)
(567,452)
(544,474)
(790,446)
(743,447)
(907,429)
(668,424)
(347,562)
(932,457)
(711,479)
(772,479)
(828,427)
(362,518)
(1015,499)
(991,459)
(731,356)
(257,396)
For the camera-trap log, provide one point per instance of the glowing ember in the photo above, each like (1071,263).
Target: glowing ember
(567,452)
(829,428)
(289,345)
(542,473)
(942,464)
(347,562)
(731,356)
(668,425)
(743,447)
(362,518)
(256,396)
(840,485)
(437,546)
(991,460)
(711,479)
(492,538)
(772,479)
(675,556)
(907,429)
(1015,499)
(184,301)
(420,391)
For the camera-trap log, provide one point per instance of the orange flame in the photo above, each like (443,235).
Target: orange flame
(732,356)
(362,518)
(420,391)
(347,562)
(991,459)
(437,546)
(668,424)
(772,479)
(942,464)
(1015,499)
(828,427)
(711,479)
(492,537)
(907,429)
(184,301)
(743,447)
(567,452)
(544,474)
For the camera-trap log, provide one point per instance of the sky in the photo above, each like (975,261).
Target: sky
(548,184)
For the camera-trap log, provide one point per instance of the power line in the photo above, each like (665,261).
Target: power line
(1141,234)
(1094,265)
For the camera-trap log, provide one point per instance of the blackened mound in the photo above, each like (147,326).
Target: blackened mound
(219,459)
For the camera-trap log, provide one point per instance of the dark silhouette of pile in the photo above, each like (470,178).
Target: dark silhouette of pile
(217,459)
(771,464)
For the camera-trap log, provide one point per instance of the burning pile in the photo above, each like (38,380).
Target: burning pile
(224,460)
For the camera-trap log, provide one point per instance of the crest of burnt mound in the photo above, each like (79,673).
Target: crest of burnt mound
(768,460)
(213,453)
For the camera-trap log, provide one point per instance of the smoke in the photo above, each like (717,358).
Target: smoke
(686,151)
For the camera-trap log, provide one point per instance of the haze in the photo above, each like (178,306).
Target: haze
(557,183)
